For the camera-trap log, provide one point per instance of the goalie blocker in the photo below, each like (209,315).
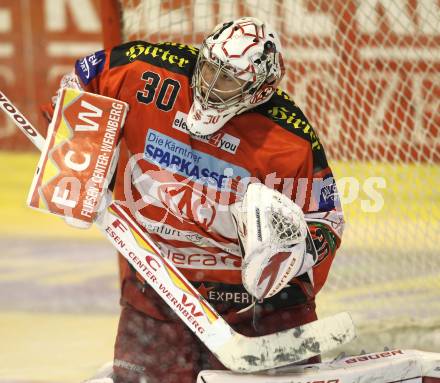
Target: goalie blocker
(79,157)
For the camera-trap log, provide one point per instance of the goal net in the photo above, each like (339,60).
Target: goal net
(367,75)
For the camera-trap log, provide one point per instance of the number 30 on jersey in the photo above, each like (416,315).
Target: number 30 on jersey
(168,91)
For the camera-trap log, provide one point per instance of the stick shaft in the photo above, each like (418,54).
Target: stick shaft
(21,121)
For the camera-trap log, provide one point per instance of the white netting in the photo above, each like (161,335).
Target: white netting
(285,222)
(366,74)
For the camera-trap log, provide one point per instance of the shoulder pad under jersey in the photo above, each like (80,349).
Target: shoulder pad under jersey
(282,110)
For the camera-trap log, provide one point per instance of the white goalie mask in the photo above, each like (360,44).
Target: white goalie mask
(239,67)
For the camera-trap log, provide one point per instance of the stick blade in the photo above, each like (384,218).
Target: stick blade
(245,354)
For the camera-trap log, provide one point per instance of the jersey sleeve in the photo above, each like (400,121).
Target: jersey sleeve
(323,214)
(92,71)
(316,192)
(303,163)
(86,74)
(104,72)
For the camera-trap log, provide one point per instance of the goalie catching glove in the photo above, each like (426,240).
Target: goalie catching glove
(272,232)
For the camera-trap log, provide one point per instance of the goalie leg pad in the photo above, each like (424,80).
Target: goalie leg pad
(382,367)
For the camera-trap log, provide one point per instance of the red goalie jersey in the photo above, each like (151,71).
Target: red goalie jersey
(178,187)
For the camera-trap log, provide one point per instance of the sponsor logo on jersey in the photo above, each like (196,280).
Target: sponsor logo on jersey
(168,232)
(324,241)
(292,119)
(90,66)
(235,295)
(187,203)
(195,258)
(326,193)
(194,165)
(229,297)
(159,52)
(221,140)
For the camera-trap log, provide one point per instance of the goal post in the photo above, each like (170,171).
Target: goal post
(367,75)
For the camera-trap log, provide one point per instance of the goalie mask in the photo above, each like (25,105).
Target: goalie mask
(239,67)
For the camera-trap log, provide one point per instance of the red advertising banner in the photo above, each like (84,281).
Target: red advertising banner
(366,73)
(75,165)
(39,42)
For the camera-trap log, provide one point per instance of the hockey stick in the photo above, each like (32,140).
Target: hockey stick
(235,351)
(21,122)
